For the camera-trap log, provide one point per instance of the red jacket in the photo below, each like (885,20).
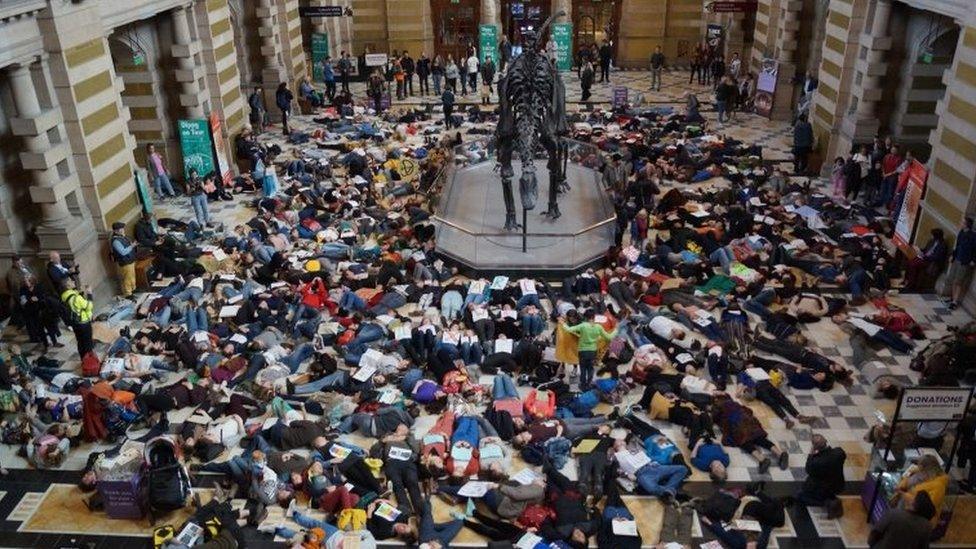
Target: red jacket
(314,294)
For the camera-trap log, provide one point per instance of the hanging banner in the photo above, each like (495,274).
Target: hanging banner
(917,175)
(320,50)
(219,151)
(196,144)
(934,403)
(619,97)
(488,40)
(376,59)
(322,11)
(142,189)
(562,37)
(766,87)
(713,35)
(732,7)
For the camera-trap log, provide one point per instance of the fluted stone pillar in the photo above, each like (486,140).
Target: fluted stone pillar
(65,224)
(564,5)
(860,123)
(187,74)
(273,72)
(786,45)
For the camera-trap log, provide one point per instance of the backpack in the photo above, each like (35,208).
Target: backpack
(534,453)
(90,365)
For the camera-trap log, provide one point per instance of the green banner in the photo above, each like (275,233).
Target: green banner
(488,41)
(197,147)
(320,50)
(142,188)
(562,36)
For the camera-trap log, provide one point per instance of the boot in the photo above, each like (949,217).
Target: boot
(510,223)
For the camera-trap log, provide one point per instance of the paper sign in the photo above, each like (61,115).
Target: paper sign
(386,511)
(200,337)
(477,287)
(528,541)
(630,463)
(624,527)
(339,451)
(364,373)
(527,286)
(451,337)
(748,525)
(402,332)
(478,314)
(461,453)
(631,253)
(757,374)
(586,446)
(387,397)
(599,319)
(229,310)
(235,298)
(642,272)
(525,477)
(507,314)
(219,254)
(238,338)
(503,345)
(400,454)
(474,489)
(499,282)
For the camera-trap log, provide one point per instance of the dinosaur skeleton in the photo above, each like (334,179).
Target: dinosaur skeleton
(532,101)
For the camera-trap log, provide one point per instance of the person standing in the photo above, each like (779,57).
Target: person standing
(58,271)
(283,98)
(328,75)
(124,255)
(198,199)
(718,69)
(504,53)
(437,74)
(158,174)
(345,68)
(40,317)
(657,67)
(447,102)
(606,53)
(80,310)
(375,88)
(409,67)
(399,76)
(18,273)
(488,74)
(889,175)
(472,65)
(963,261)
(697,60)
(723,95)
(586,80)
(451,74)
(825,477)
(256,102)
(735,64)
(802,145)
(590,334)
(423,73)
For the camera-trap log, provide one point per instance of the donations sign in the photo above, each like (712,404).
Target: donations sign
(908,215)
(934,403)
(562,37)
(197,147)
(488,40)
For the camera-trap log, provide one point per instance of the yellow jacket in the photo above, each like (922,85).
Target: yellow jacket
(936,487)
(81,307)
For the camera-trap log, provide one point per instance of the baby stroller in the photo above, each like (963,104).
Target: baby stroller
(167,482)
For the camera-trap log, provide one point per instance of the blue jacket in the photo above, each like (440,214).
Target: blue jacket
(965,250)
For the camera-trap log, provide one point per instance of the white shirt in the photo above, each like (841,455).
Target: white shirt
(662,327)
(472,64)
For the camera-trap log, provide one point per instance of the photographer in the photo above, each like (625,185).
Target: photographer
(58,271)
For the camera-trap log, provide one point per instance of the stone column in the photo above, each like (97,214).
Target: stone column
(564,5)
(786,46)
(491,13)
(41,156)
(860,123)
(273,72)
(65,224)
(187,74)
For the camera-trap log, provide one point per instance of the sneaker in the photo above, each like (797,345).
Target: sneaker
(290,512)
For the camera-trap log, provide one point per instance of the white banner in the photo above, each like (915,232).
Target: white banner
(376,59)
(934,403)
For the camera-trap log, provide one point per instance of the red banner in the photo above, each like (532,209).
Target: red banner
(223,167)
(917,175)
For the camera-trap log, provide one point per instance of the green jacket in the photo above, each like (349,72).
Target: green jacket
(590,335)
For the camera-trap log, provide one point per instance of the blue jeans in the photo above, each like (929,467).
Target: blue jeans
(352,302)
(528,299)
(761,302)
(587,360)
(444,532)
(451,304)
(301,353)
(196,320)
(200,208)
(471,353)
(722,256)
(721,108)
(308,523)
(339,377)
(123,310)
(163,186)
(656,479)
(162,316)
(503,387)
(532,325)
(121,345)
